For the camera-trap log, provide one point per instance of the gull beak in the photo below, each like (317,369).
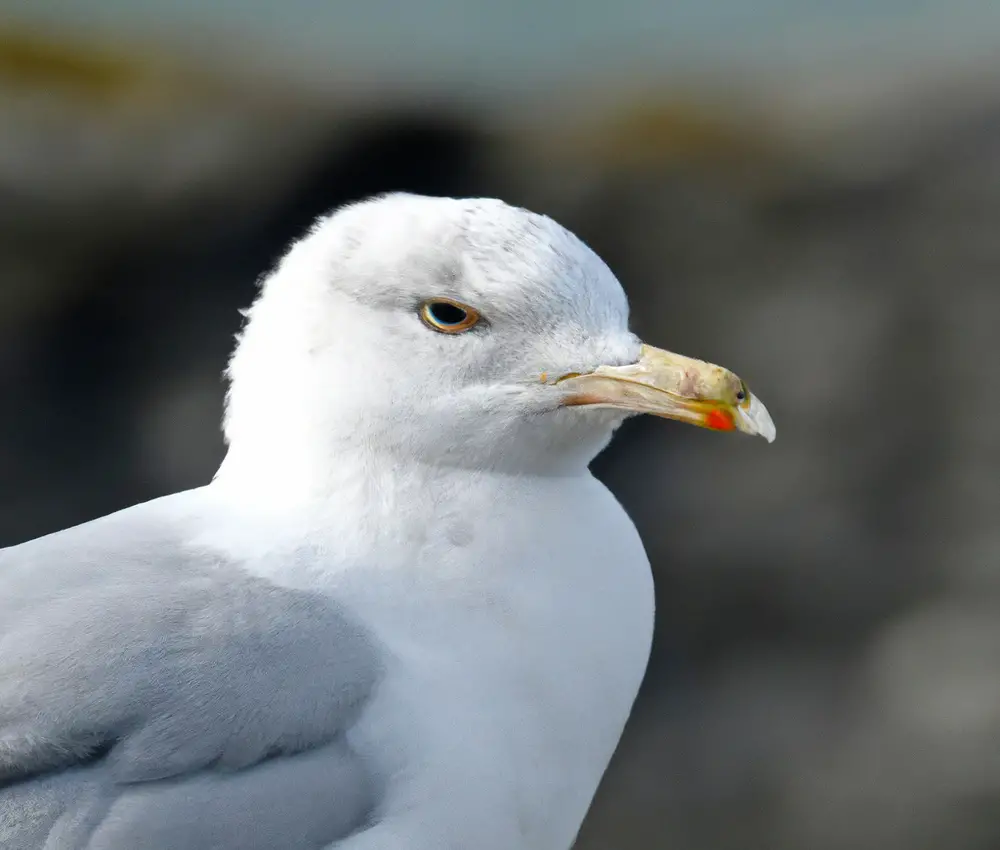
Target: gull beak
(675,387)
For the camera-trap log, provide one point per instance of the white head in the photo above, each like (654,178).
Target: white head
(349,348)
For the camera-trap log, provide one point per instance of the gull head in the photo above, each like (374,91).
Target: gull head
(461,332)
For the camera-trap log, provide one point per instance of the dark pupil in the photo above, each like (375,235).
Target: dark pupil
(741,395)
(447,314)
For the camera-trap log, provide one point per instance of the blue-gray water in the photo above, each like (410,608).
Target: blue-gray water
(520,44)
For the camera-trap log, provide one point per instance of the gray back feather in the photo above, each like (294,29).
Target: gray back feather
(126,655)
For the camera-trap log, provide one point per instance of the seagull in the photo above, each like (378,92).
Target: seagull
(403,615)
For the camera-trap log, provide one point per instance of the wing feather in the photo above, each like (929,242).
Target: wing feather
(123,646)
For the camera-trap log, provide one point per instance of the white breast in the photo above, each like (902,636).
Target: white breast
(508,686)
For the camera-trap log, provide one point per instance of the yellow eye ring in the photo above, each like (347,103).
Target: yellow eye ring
(743,395)
(448,317)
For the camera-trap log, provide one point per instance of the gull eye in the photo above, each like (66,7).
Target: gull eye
(447,316)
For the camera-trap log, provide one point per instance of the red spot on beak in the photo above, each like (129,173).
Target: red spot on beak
(719,420)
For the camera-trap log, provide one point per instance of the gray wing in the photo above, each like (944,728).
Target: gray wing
(152,696)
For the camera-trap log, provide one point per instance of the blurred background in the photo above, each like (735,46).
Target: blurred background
(807,192)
